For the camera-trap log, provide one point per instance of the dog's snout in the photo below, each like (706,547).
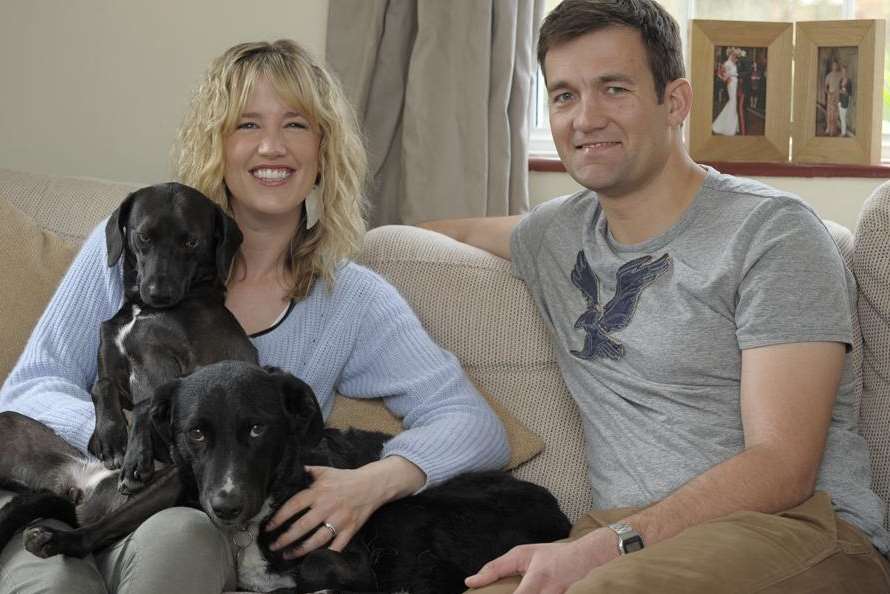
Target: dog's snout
(226,505)
(160,294)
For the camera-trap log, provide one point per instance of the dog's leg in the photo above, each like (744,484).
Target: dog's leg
(109,439)
(164,492)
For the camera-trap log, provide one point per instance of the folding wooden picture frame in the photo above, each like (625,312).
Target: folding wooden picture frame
(838,76)
(741,81)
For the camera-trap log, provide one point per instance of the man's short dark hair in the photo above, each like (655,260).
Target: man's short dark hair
(660,32)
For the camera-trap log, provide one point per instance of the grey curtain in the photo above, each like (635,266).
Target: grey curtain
(442,89)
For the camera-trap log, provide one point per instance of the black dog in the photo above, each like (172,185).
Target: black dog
(241,437)
(177,247)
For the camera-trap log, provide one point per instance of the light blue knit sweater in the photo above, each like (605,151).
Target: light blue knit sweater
(361,339)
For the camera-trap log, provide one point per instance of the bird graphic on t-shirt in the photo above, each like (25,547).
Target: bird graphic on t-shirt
(599,321)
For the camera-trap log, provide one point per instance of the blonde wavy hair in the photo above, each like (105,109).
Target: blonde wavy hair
(305,85)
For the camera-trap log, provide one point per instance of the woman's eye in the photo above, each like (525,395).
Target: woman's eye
(247,126)
(257,430)
(300,125)
(196,435)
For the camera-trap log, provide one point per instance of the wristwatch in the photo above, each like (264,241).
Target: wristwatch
(629,540)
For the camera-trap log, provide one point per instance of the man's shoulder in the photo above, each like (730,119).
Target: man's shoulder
(746,195)
(562,207)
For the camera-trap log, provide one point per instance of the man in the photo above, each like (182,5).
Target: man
(700,322)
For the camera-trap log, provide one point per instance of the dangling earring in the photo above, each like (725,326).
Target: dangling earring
(314,206)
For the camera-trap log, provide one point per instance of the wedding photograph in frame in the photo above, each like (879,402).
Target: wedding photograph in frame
(741,82)
(838,80)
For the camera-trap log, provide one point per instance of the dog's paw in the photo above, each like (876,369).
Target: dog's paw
(136,472)
(41,541)
(108,443)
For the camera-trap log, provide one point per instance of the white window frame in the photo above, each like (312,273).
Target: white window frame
(541,142)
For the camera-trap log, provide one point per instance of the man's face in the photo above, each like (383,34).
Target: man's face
(611,133)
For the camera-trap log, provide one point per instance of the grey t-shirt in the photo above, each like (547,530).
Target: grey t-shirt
(655,369)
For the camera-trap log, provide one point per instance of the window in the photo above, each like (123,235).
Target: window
(541,144)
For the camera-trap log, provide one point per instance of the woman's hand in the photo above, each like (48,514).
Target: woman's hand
(552,567)
(344,499)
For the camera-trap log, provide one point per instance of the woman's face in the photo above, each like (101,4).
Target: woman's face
(271,158)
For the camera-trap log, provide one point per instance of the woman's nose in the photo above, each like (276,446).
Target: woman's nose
(271,143)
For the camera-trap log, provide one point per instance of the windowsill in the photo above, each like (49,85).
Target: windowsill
(551,164)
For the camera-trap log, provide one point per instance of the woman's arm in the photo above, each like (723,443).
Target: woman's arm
(51,381)
(449,427)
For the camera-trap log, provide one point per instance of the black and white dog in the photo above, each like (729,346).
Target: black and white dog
(241,436)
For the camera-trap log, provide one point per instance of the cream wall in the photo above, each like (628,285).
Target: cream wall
(98,87)
(837,199)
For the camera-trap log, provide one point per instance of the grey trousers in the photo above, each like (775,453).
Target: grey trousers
(176,550)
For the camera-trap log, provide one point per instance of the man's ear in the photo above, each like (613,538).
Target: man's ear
(228,239)
(300,403)
(115,234)
(162,410)
(678,96)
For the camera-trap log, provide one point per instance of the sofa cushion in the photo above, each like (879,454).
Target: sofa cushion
(472,305)
(31,263)
(871,265)
(372,415)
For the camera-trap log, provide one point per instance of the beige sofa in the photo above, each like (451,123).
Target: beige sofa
(466,298)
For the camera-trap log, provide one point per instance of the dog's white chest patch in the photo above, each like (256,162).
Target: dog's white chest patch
(252,567)
(125,330)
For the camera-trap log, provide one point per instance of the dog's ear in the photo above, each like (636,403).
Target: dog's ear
(228,239)
(115,236)
(162,410)
(300,403)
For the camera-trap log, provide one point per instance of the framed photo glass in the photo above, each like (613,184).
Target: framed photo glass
(839,67)
(741,75)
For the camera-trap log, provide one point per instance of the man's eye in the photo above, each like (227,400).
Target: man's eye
(257,430)
(196,435)
(562,97)
(616,90)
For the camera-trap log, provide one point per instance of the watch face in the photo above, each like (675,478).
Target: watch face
(632,544)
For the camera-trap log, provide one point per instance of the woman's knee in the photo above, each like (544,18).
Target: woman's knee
(23,573)
(178,549)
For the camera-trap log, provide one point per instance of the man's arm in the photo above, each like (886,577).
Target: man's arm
(787,394)
(491,234)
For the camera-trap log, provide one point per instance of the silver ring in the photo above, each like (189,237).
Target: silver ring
(330,527)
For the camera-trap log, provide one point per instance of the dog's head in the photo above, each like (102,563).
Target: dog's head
(232,424)
(172,237)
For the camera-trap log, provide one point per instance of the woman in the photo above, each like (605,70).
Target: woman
(727,123)
(271,137)
(832,98)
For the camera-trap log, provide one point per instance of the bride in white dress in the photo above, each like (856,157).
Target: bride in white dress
(727,123)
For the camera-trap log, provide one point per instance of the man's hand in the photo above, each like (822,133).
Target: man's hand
(550,568)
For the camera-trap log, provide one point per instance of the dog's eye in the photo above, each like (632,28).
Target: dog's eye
(257,430)
(192,243)
(142,237)
(196,435)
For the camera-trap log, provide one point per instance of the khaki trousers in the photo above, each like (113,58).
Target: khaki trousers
(806,549)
